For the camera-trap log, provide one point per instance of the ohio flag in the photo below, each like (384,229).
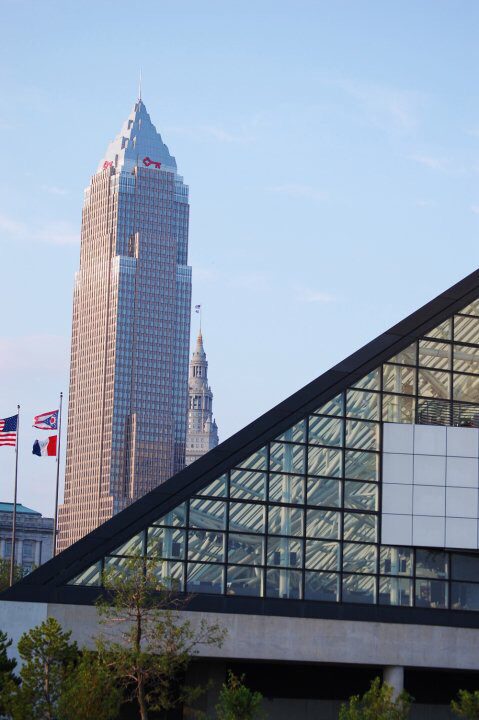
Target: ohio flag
(45,447)
(46,421)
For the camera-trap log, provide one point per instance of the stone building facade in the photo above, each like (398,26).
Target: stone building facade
(202,434)
(34,536)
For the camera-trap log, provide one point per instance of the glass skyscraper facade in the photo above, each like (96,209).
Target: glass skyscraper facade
(130,335)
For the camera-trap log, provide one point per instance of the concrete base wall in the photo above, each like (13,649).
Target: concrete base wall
(284,709)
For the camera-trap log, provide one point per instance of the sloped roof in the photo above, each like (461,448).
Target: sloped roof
(48,583)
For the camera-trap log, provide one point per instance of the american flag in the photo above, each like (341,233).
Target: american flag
(8,430)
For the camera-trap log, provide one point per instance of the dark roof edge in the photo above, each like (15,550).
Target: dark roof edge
(177,488)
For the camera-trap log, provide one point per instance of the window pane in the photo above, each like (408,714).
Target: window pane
(166,543)
(297,433)
(442,331)
(406,356)
(363,404)
(217,488)
(333,407)
(372,381)
(322,524)
(283,520)
(285,552)
(132,547)
(434,384)
(360,527)
(170,574)
(360,496)
(206,546)
(245,517)
(326,431)
(397,379)
(244,581)
(431,563)
(465,567)
(464,596)
(325,461)
(256,461)
(246,549)
(322,555)
(434,354)
(209,514)
(359,558)
(287,458)
(396,561)
(398,409)
(395,591)
(359,589)
(466,359)
(471,309)
(325,492)
(321,586)
(431,593)
(286,489)
(90,576)
(361,466)
(360,434)
(248,485)
(177,516)
(466,388)
(205,578)
(466,329)
(119,566)
(283,584)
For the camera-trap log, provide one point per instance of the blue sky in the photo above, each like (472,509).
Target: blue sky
(332,154)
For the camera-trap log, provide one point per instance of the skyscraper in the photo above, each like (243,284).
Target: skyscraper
(130,336)
(202,432)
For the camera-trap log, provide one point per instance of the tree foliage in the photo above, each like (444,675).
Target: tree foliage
(7,666)
(151,646)
(89,692)
(237,702)
(466,705)
(48,658)
(377,703)
(18,573)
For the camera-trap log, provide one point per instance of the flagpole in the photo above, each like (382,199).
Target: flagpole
(55,523)
(14,521)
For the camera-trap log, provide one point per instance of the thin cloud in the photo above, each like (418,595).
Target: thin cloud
(307,295)
(475,209)
(429,161)
(55,232)
(38,353)
(293,190)
(54,190)
(212,132)
(425,203)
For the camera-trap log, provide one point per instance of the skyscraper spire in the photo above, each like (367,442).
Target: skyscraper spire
(202,432)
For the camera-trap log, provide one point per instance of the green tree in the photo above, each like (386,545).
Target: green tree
(18,573)
(237,702)
(377,703)
(7,666)
(48,657)
(89,692)
(466,705)
(151,646)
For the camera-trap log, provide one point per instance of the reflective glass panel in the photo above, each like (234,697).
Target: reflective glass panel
(360,527)
(115,566)
(466,329)
(245,549)
(206,546)
(322,524)
(286,489)
(332,407)
(372,381)
(464,596)
(205,578)
(208,514)
(431,593)
(326,431)
(362,435)
(359,589)
(132,547)
(321,586)
(466,359)
(245,517)
(361,466)
(217,488)
(465,567)
(396,561)
(396,591)
(257,461)
(364,405)
(324,492)
(90,576)
(398,409)
(434,384)
(359,558)
(176,517)
(285,552)
(283,520)
(297,433)
(442,331)
(434,354)
(170,574)
(322,555)
(283,584)
(466,388)
(165,542)
(471,309)
(399,379)
(325,461)
(406,356)
(287,458)
(242,580)
(247,485)
(360,496)
(431,563)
